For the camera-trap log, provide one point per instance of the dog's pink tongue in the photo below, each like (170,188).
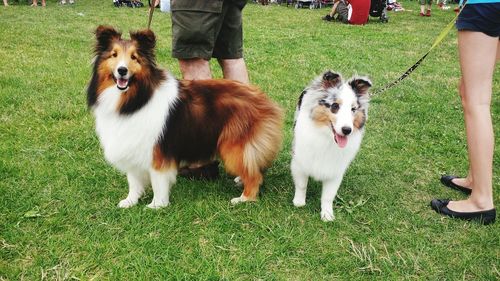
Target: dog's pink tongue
(341,140)
(122,83)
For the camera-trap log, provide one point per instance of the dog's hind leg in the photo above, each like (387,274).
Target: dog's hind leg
(251,186)
(233,156)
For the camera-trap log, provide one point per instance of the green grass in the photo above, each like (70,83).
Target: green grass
(58,214)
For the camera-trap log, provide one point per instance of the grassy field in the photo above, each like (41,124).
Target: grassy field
(58,197)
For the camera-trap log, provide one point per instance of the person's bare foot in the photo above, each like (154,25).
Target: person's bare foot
(464,182)
(469,206)
(461,184)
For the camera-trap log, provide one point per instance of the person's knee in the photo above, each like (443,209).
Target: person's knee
(234,69)
(231,63)
(196,68)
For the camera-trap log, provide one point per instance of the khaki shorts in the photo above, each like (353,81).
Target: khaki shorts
(343,12)
(206,29)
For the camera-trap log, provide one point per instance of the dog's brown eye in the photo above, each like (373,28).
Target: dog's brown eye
(133,57)
(335,106)
(114,55)
(353,109)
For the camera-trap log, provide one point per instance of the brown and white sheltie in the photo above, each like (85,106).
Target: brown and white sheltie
(150,124)
(329,127)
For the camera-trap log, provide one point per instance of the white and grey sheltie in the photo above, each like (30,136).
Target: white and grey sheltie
(329,127)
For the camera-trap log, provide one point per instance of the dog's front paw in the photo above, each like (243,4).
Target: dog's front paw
(299,202)
(127,203)
(327,216)
(157,204)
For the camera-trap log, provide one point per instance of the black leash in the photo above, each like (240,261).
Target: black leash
(438,40)
(402,77)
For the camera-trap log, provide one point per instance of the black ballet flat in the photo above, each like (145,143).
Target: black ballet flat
(447,180)
(484,217)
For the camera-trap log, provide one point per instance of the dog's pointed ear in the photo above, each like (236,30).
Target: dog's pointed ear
(105,35)
(331,79)
(360,85)
(145,39)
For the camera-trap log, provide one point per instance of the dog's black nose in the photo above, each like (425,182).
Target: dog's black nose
(346,130)
(122,70)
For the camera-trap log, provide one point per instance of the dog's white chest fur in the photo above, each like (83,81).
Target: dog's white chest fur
(316,152)
(128,139)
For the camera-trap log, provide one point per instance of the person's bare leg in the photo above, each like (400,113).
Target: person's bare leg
(467,181)
(332,11)
(478,54)
(235,69)
(195,69)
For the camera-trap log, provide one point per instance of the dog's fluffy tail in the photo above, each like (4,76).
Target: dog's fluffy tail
(263,147)
(251,139)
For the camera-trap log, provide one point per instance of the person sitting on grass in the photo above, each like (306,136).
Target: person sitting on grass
(423,5)
(340,8)
(35,3)
(350,11)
